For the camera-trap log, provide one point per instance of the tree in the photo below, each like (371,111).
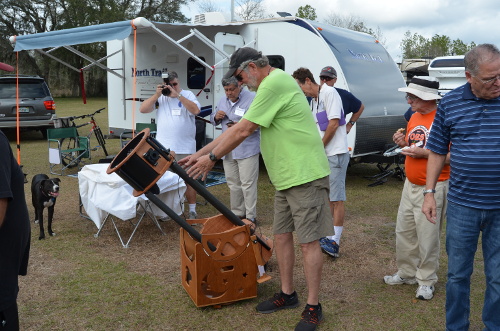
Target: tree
(439,46)
(207,6)
(307,12)
(417,46)
(250,9)
(34,16)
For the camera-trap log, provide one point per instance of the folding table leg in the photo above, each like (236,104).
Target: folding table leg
(149,211)
(108,215)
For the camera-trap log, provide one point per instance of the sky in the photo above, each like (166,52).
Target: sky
(468,20)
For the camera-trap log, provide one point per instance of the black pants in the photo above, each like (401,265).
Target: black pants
(9,319)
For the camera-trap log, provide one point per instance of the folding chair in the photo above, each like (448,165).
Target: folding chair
(66,149)
(126,136)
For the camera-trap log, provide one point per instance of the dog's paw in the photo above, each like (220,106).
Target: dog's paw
(41,237)
(52,233)
(36,221)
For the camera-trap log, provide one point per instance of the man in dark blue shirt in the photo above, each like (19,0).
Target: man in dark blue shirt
(350,103)
(467,125)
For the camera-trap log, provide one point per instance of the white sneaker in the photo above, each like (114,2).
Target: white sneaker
(192,215)
(164,219)
(425,292)
(396,280)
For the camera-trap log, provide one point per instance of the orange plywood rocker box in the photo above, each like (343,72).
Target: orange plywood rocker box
(221,263)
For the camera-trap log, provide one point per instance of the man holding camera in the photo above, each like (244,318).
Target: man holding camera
(175,118)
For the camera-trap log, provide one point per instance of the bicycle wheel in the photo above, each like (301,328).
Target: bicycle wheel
(100,140)
(69,143)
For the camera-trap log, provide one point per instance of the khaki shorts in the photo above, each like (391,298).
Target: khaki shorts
(304,209)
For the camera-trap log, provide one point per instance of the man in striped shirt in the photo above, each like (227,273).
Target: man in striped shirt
(467,124)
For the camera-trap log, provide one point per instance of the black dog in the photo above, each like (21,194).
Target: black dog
(44,192)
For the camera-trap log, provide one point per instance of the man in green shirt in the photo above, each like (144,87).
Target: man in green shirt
(297,166)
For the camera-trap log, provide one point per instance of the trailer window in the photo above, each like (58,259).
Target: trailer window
(276,61)
(195,74)
(447,63)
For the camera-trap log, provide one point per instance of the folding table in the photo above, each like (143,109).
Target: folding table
(109,198)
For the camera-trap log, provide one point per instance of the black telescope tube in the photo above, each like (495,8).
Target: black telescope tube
(176,168)
(185,225)
(160,204)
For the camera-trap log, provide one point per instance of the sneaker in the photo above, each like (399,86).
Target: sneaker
(278,302)
(164,219)
(425,292)
(397,280)
(330,247)
(311,317)
(192,215)
(323,241)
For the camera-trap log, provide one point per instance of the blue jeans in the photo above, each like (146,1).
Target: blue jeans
(462,234)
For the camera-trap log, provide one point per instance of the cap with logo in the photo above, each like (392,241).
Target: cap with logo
(239,56)
(328,72)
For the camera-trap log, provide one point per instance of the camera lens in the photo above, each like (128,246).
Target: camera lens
(165,91)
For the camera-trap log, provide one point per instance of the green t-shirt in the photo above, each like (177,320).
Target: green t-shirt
(290,143)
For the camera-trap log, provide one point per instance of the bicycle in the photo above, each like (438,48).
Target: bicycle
(96,130)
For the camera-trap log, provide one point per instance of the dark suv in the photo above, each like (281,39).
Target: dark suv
(36,105)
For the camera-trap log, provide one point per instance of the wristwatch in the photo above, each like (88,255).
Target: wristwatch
(213,157)
(352,122)
(429,191)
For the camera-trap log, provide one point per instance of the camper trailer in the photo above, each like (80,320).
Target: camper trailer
(414,67)
(139,51)
(449,70)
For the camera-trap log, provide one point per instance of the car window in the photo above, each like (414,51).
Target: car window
(26,90)
(447,63)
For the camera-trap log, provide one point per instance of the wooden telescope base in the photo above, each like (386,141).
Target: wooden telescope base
(219,263)
(227,275)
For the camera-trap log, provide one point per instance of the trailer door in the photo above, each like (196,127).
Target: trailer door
(228,43)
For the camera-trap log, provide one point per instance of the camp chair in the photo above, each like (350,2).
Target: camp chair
(126,136)
(66,149)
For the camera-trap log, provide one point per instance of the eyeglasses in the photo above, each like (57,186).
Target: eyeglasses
(326,79)
(238,76)
(411,97)
(488,81)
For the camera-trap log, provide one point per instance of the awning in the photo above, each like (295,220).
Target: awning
(82,35)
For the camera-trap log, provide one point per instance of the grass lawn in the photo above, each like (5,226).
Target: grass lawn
(79,282)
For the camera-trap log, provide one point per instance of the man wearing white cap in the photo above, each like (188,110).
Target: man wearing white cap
(417,240)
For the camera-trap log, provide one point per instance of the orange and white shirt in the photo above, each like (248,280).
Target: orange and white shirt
(417,134)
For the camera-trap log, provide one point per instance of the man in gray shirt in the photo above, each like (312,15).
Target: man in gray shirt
(241,165)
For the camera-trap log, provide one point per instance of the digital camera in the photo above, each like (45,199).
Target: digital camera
(166,81)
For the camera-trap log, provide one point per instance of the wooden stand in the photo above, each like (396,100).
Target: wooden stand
(219,264)
(225,275)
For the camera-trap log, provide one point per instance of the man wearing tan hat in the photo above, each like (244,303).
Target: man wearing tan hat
(417,240)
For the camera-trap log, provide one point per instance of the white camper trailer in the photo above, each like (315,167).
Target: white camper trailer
(199,53)
(449,71)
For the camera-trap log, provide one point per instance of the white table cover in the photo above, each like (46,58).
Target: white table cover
(102,193)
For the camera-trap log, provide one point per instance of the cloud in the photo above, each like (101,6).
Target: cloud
(477,20)
(466,20)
